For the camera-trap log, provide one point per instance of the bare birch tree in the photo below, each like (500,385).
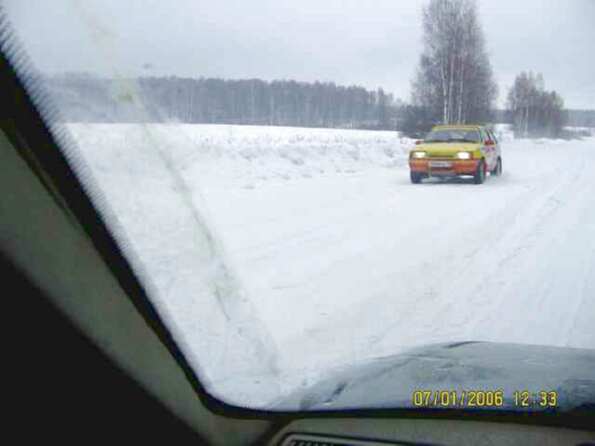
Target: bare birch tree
(454,78)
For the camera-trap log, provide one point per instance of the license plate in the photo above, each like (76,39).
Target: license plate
(440,164)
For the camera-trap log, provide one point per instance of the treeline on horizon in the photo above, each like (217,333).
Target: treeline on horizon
(84,98)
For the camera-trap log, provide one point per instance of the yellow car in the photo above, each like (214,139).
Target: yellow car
(456,150)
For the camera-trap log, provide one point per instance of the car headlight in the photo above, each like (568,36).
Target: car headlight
(464,155)
(419,154)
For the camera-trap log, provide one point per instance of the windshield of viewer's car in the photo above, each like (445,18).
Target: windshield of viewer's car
(252,160)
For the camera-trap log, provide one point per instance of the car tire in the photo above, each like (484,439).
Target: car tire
(498,169)
(415,177)
(480,173)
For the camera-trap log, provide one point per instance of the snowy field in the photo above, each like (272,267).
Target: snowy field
(278,254)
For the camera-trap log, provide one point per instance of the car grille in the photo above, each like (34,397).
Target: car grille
(441,155)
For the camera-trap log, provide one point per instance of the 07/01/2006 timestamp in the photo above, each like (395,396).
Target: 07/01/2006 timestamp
(484,398)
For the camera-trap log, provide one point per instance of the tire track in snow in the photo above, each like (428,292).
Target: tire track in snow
(531,241)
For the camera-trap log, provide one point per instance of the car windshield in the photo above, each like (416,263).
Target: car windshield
(254,162)
(453,135)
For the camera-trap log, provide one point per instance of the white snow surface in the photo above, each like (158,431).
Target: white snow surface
(276,255)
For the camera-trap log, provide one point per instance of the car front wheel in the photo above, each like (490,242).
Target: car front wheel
(480,173)
(498,169)
(415,177)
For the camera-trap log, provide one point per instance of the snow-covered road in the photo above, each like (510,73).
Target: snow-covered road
(341,259)
(342,267)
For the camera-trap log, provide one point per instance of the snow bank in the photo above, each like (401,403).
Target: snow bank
(252,155)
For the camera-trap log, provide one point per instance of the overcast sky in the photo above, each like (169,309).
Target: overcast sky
(367,42)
